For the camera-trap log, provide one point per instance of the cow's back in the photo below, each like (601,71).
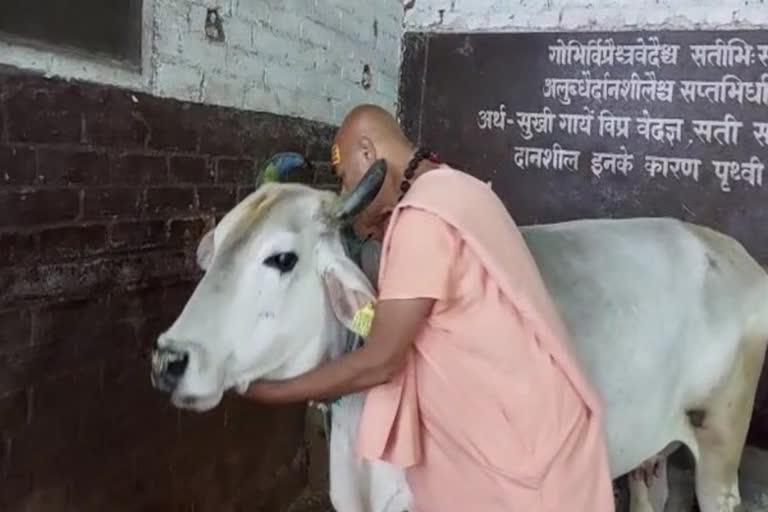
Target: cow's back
(656,308)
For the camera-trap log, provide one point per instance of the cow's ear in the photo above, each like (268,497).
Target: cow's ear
(346,286)
(205,250)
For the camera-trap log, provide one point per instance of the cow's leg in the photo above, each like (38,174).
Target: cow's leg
(639,495)
(648,486)
(649,482)
(723,431)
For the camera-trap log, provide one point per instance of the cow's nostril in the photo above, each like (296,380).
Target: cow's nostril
(179,366)
(169,362)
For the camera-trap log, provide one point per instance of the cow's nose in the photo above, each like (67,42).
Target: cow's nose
(168,367)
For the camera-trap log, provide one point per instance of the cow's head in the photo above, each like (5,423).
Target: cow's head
(277,291)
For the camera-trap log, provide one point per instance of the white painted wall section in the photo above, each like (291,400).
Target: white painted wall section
(294,57)
(540,15)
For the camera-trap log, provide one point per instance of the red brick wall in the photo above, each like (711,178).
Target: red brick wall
(104,194)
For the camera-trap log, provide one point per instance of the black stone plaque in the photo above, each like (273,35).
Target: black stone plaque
(485,98)
(580,125)
(107,28)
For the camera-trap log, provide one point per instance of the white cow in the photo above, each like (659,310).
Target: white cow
(669,319)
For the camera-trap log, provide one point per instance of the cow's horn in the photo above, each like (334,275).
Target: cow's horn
(280,166)
(354,201)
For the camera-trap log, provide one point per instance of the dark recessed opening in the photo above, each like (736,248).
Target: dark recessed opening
(110,29)
(214,28)
(367,77)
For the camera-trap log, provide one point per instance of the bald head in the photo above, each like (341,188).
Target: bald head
(369,133)
(373,122)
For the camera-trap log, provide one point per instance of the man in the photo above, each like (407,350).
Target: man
(471,385)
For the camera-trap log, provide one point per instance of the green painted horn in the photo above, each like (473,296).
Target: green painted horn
(280,165)
(353,202)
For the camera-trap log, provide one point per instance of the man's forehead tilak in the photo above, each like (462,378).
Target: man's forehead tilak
(335,155)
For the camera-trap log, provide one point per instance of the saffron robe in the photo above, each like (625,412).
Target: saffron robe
(492,411)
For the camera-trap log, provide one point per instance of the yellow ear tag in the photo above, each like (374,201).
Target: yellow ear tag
(363,319)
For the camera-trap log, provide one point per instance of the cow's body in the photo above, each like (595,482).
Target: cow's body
(668,319)
(662,315)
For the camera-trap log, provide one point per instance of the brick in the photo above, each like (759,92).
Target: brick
(235,170)
(238,33)
(170,200)
(50,115)
(357,27)
(178,80)
(138,234)
(198,51)
(318,147)
(325,177)
(17,166)
(221,135)
(17,248)
(130,169)
(216,199)
(258,98)
(113,120)
(253,11)
(225,89)
(285,51)
(68,242)
(385,84)
(187,231)
(38,207)
(281,76)
(190,169)
(265,135)
(171,126)
(72,167)
(112,202)
(243,192)
(317,34)
(137,305)
(301,103)
(331,18)
(89,277)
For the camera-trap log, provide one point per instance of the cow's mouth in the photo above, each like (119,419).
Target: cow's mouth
(195,402)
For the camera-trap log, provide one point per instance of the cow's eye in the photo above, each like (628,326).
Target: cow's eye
(282,261)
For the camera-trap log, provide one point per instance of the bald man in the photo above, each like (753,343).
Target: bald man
(472,387)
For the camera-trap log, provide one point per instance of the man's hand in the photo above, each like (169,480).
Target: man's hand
(395,326)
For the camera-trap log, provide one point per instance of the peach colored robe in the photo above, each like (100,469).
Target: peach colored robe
(492,412)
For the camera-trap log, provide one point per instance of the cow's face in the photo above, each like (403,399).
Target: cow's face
(276,292)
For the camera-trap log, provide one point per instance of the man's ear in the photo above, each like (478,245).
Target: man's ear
(205,250)
(368,149)
(345,284)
